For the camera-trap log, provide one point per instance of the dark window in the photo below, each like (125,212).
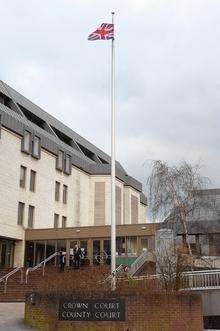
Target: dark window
(2,98)
(67,165)
(65,193)
(21,213)
(31,216)
(32,180)
(57,191)
(26,142)
(36,147)
(103,161)
(64,222)
(214,244)
(23,176)
(62,136)
(86,151)
(60,161)
(56,220)
(32,117)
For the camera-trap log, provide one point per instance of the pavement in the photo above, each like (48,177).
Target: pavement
(11,317)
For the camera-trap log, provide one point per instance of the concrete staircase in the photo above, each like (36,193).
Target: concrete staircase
(15,290)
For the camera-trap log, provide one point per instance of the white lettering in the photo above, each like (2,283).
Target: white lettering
(107,315)
(105,305)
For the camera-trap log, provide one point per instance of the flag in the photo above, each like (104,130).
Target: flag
(104,32)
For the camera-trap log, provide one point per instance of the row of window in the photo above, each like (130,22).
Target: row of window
(56,221)
(23,175)
(21,210)
(57,192)
(31,211)
(32,187)
(31,144)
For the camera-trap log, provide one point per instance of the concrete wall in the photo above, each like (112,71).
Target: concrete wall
(211,302)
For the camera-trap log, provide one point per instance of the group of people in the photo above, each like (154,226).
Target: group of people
(76,258)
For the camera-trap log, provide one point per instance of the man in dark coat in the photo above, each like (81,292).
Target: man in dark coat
(77,255)
(62,261)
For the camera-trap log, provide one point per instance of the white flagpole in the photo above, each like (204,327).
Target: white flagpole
(113,227)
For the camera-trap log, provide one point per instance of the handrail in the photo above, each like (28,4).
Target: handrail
(200,280)
(192,280)
(116,272)
(101,257)
(42,263)
(208,271)
(8,275)
(138,263)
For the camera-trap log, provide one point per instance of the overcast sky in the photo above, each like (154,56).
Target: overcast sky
(168,74)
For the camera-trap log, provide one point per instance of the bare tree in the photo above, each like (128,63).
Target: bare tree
(173,193)
(171,263)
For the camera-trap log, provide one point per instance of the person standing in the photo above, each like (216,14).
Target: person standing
(62,261)
(77,256)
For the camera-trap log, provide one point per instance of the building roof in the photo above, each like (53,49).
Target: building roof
(19,114)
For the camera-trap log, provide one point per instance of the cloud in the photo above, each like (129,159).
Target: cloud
(167,74)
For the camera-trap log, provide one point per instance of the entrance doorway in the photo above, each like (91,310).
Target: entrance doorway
(6,253)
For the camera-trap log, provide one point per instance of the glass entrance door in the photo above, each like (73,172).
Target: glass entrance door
(3,254)
(6,253)
(96,250)
(107,250)
(144,244)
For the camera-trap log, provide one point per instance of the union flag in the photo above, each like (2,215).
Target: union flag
(104,32)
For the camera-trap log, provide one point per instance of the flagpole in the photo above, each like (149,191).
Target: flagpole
(113,226)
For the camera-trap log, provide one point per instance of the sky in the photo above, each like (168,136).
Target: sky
(167,74)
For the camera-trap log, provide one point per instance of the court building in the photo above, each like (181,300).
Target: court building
(55,190)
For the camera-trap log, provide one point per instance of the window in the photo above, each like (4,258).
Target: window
(60,161)
(65,192)
(22,176)
(64,222)
(21,213)
(57,191)
(32,180)
(31,216)
(26,142)
(67,165)
(36,147)
(56,220)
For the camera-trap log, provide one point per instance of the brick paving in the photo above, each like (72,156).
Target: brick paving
(11,317)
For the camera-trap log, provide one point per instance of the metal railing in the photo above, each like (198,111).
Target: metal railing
(102,257)
(118,271)
(200,280)
(8,275)
(192,280)
(139,262)
(39,265)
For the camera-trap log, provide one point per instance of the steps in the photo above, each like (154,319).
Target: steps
(16,291)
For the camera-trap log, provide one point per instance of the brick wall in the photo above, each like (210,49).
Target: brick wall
(152,312)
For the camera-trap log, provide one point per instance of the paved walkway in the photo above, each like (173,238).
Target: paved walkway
(11,317)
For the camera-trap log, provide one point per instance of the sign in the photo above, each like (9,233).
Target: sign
(92,309)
